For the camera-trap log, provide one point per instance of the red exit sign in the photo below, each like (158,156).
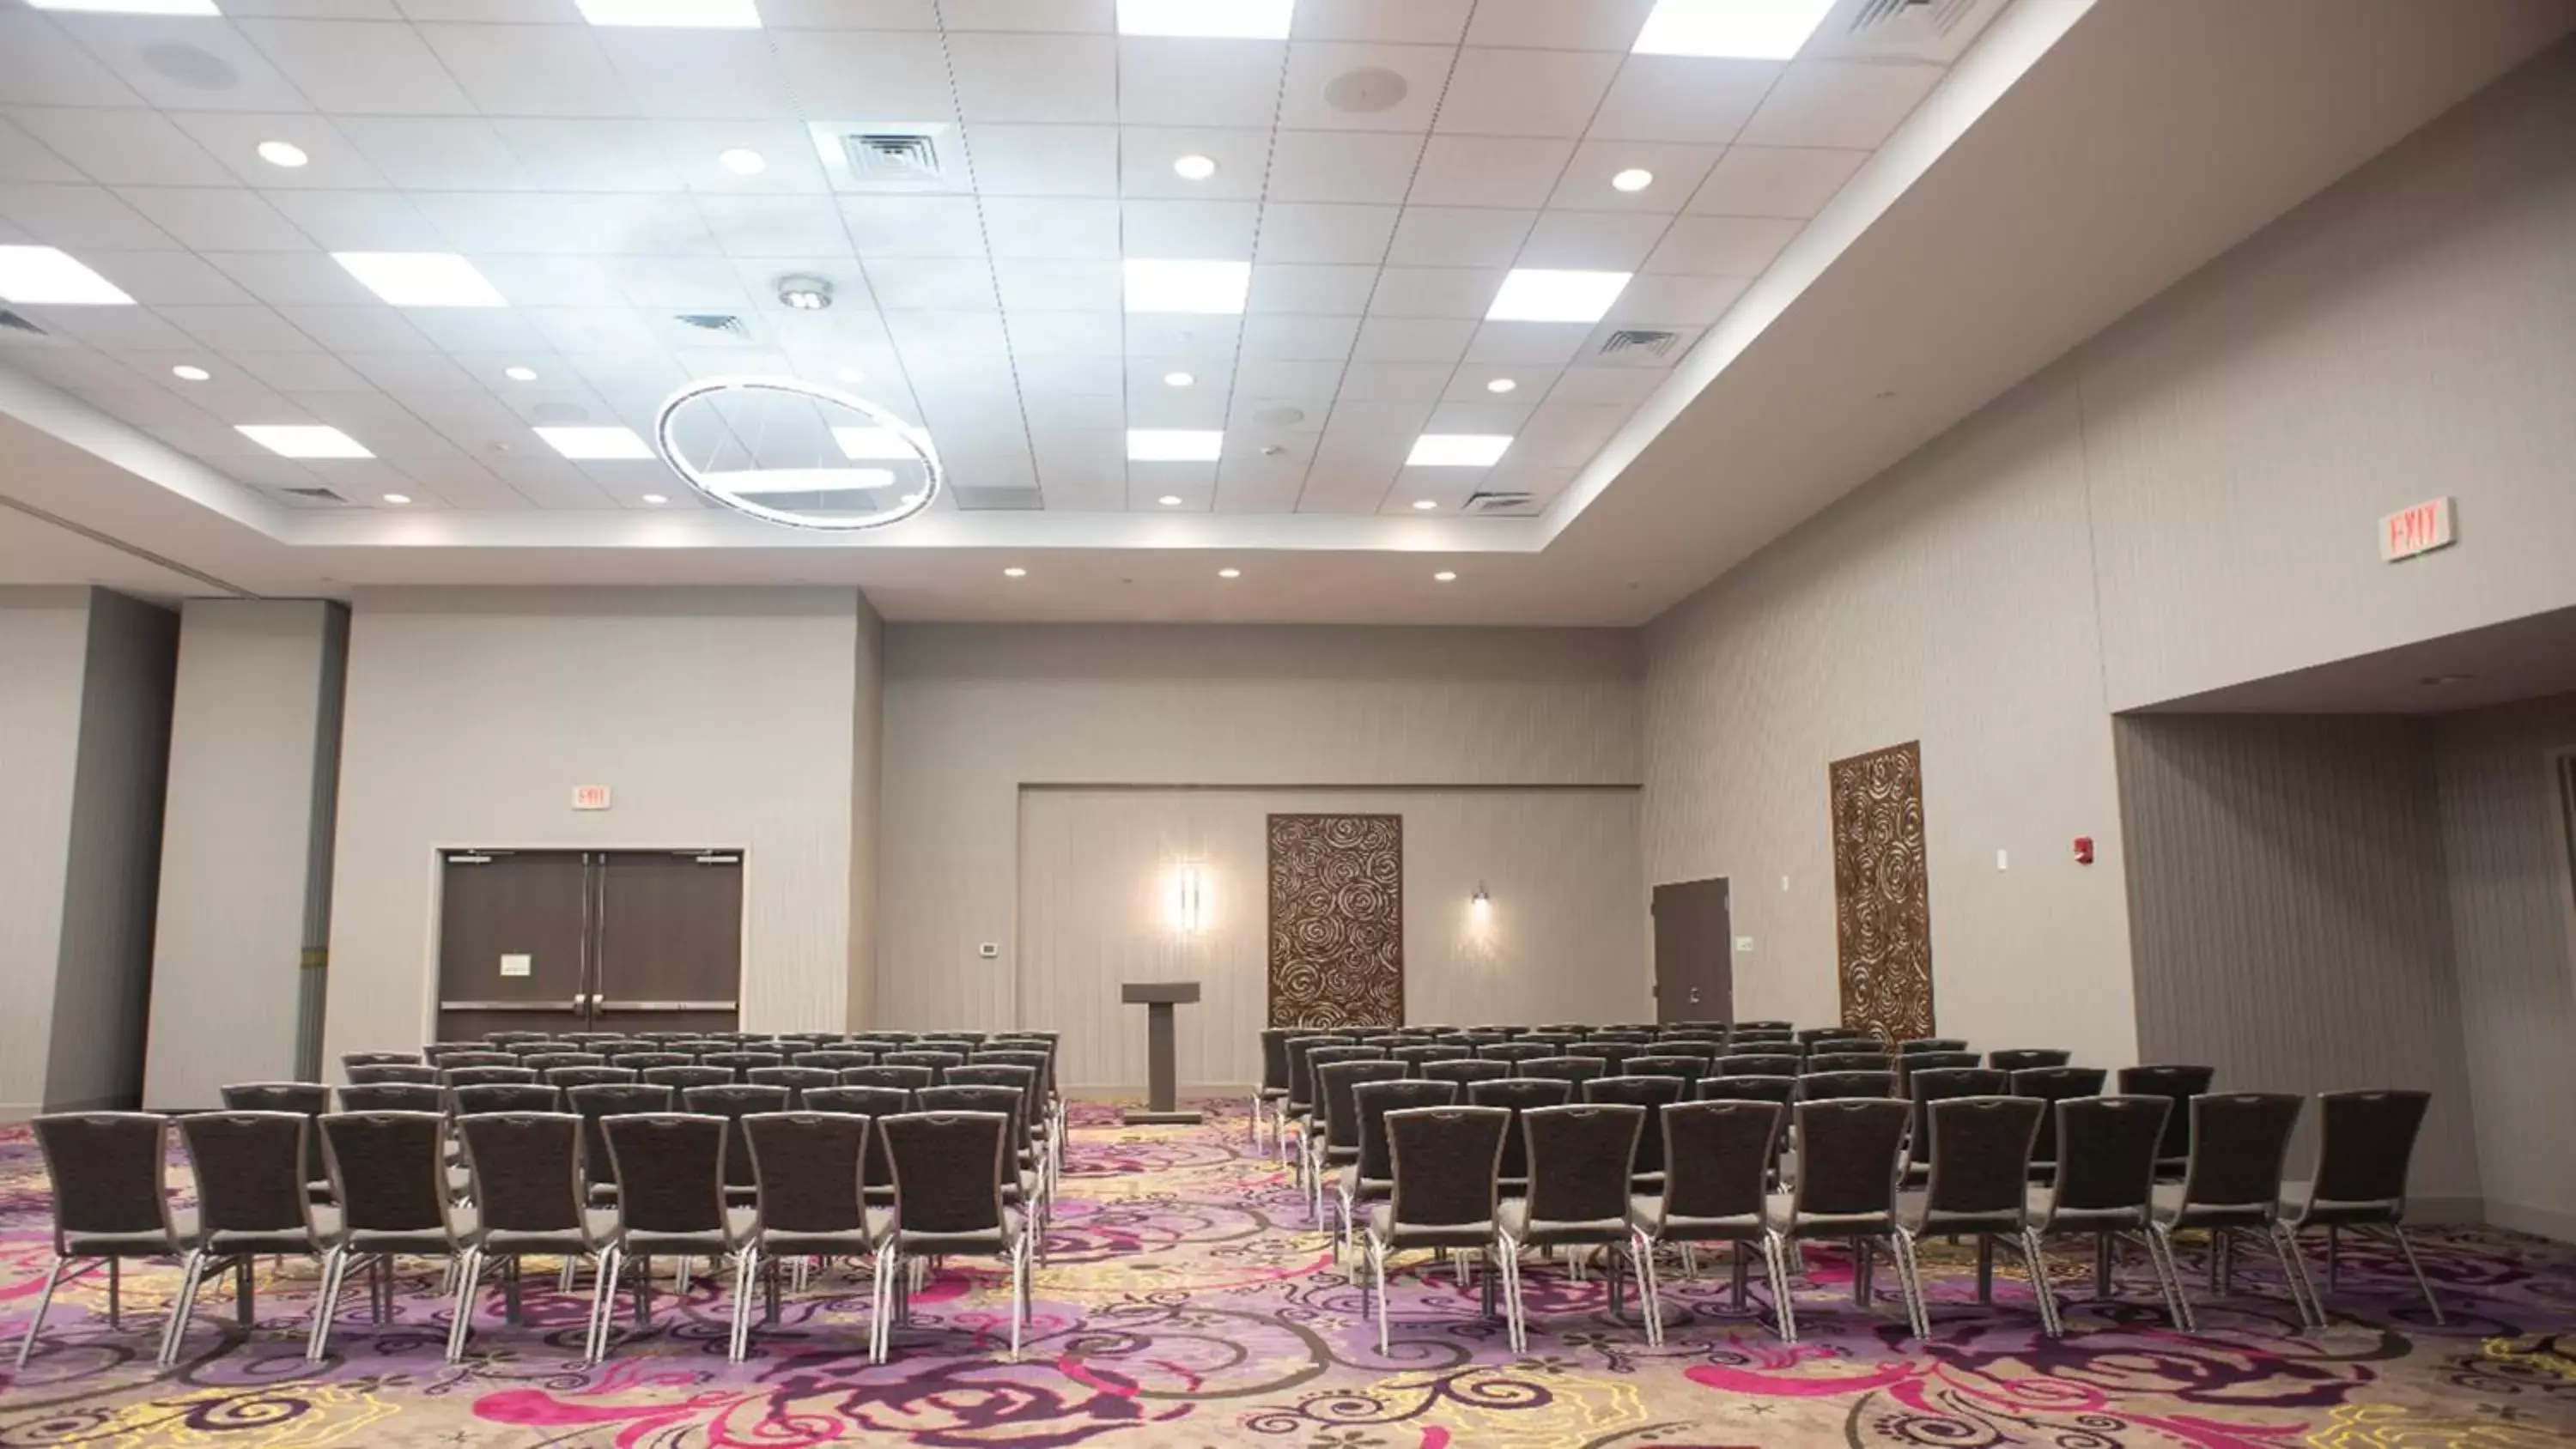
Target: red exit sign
(2420,529)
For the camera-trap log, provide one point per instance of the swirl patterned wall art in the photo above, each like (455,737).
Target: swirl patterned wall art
(1336,920)
(1882,901)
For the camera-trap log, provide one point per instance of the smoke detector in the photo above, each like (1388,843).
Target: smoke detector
(802,293)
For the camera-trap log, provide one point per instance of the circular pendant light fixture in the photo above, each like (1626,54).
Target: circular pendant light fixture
(788,452)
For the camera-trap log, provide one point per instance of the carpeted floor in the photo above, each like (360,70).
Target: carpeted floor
(1186,1302)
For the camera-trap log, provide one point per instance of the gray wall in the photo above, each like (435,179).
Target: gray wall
(44,652)
(2290,919)
(253,741)
(974,712)
(2513,929)
(867,775)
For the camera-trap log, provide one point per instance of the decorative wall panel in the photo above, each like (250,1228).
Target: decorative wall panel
(1882,906)
(1336,920)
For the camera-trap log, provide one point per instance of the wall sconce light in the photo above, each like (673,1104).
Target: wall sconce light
(1480,902)
(1188,904)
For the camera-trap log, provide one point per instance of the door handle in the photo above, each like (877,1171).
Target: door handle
(1694,996)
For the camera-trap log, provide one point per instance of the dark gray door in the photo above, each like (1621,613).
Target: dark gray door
(513,942)
(669,949)
(1694,974)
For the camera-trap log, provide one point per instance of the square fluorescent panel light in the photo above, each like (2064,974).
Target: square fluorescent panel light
(595,445)
(674,14)
(874,445)
(1458,450)
(130,7)
(49,274)
(1173,445)
(1536,295)
(1206,288)
(1731,29)
(1213,19)
(304,440)
(421,279)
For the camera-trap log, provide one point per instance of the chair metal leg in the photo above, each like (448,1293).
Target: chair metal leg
(1649,1292)
(746,1264)
(191,1276)
(1377,1274)
(469,1276)
(1741,1271)
(2422,1286)
(115,1294)
(2334,1258)
(2294,1276)
(2040,1288)
(326,1302)
(2177,1297)
(245,1292)
(1909,1287)
(1514,1329)
(27,1345)
(1784,1298)
(603,1299)
(1986,1268)
(1019,1293)
(889,1263)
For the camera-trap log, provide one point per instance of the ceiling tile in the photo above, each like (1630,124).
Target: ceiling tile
(530,70)
(368,329)
(1468,383)
(438,153)
(1488,415)
(1146,155)
(501,223)
(1180,82)
(1566,435)
(1270,378)
(157,277)
(1525,92)
(120,329)
(301,371)
(1005,77)
(1071,373)
(239,329)
(1435,22)
(1283,337)
(1557,25)
(914,226)
(1600,241)
(1839,103)
(359,221)
(1489,171)
(1692,301)
(80,217)
(23,158)
(1055,414)
(1037,285)
(1044,160)
(356,67)
(1413,339)
(1364,87)
(476,329)
(713,75)
(1088,334)
(592,329)
(557,154)
(233,139)
(1358,423)
(1052,228)
(1605,385)
(946,284)
(1438,236)
(1158,334)
(122,147)
(303,278)
(774,226)
(1314,233)
(209,218)
(860,75)
(184,64)
(1394,382)
(1690,99)
(1723,246)
(1344,166)
(692,153)
(40,67)
(1774,181)
(1328,290)
(1189,230)
(1093,17)
(1536,343)
(1677,171)
(1458,292)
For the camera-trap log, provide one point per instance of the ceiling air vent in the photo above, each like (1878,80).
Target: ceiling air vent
(1499,502)
(725,323)
(316,495)
(973,499)
(1928,30)
(1649,347)
(15,323)
(886,155)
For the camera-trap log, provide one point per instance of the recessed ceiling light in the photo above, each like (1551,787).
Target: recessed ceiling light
(48,274)
(1444,577)
(421,279)
(743,161)
(656,499)
(1229,573)
(1206,288)
(1457,450)
(1174,445)
(585,445)
(1635,178)
(1736,29)
(282,153)
(520,374)
(190,372)
(1195,167)
(874,445)
(1214,19)
(131,7)
(398,499)
(1537,295)
(1425,505)
(1015,572)
(676,14)
(1501,384)
(303,440)
(1170,500)
(1178,379)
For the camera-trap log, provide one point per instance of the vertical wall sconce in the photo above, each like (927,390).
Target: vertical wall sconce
(1188,899)
(1481,904)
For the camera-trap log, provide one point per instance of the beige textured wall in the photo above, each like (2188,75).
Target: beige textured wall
(44,651)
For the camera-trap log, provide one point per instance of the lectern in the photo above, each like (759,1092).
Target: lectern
(1158,998)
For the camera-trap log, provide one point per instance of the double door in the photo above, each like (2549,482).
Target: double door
(589,940)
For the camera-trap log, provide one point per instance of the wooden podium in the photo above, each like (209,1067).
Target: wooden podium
(1158,998)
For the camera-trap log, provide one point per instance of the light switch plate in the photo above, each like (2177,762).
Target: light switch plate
(989,951)
(2002,861)
(1743,944)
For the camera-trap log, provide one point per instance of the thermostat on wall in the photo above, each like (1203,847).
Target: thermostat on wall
(989,951)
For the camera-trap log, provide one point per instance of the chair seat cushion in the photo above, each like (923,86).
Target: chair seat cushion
(1650,1218)
(989,1240)
(1388,1232)
(2174,1212)
(2299,1209)
(1541,1232)
(151,1243)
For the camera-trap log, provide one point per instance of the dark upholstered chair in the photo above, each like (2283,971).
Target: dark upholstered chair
(1978,1183)
(2177,1084)
(671,1201)
(1580,1158)
(389,1177)
(1518,1095)
(1848,1152)
(1442,1188)
(2102,1185)
(1717,1175)
(2359,1181)
(525,1170)
(807,1166)
(253,1201)
(948,1172)
(111,1199)
(2240,1147)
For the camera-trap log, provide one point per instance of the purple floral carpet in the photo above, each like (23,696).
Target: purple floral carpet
(1186,1301)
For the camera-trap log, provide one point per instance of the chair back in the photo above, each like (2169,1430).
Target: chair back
(1906,1066)
(548,1061)
(1784,1028)
(1335,1080)
(1518,1095)
(875,1103)
(1023,1080)
(394,1097)
(1464,1071)
(647,1061)
(739,1062)
(369,1074)
(2367,1144)
(1515,1051)
(484,1076)
(2240,1144)
(1274,1057)
(1980,1154)
(1008,1099)
(1301,1078)
(1718,1156)
(108,1170)
(947,1170)
(797,1080)
(2054,1084)
(1652,1094)
(249,1168)
(566,1078)
(1825,1086)
(1038,1058)
(2178,1084)
(308,1100)
(900,1078)
(1760,1064)
(473,1056)
(733,1103)
(2106,1153)
(1570,1069)
(833,1059)
(1371,1101)
(388,1170)
(526,1170)
(611,1099)
(1418,1057)
(807,1167)
(378,1059)
(1328,1054)
(2022,1059)
(1445,1163)
(1850,1062)
(1612,1052)
(1660,1063)
(956,1044)
(505,1097)
(1782,1090)
(936,1061)
(1917,1046)
(506,1038)
(1847,1154)
(671,1169)
(1942,1083)
(1580,1158)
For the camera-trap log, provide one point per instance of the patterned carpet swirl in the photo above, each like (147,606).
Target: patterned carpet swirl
(1186,1301)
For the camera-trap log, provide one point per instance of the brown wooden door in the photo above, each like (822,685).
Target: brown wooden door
(513,942)
(1694,974)
(669,949)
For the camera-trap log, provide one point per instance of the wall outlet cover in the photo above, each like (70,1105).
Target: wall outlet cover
(989,951)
